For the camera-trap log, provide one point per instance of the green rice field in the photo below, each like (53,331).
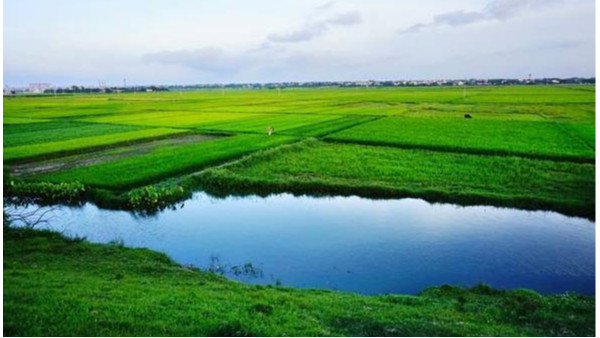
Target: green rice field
(524,146)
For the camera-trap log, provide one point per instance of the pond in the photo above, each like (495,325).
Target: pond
(356,244)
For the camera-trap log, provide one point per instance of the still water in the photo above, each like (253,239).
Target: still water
(356,244)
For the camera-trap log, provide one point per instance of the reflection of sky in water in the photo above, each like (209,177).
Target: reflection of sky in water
(361,245)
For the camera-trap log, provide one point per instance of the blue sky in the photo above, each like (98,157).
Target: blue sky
(181,42)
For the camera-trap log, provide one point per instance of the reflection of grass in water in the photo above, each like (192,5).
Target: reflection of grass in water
(216,267)
(276,281)
(117,242)
(248,269)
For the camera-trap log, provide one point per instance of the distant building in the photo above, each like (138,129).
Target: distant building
(38,88)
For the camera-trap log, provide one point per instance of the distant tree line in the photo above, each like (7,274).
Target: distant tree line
(315,84)
(389,83)
(83,89)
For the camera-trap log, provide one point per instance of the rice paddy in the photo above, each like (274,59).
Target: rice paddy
(484,136)
(524,146)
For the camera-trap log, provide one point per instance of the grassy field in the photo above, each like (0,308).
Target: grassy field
(538,139)
(21,134)
(167,161)
(55,286)
(526,146)
(84,143)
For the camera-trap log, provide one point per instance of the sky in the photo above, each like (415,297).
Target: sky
(73,42)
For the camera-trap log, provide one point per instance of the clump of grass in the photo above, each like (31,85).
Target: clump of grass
(152,198)
(44,192)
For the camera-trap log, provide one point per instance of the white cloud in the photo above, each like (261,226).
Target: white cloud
(210,59)
(314,29)
(495,10)
(216,60)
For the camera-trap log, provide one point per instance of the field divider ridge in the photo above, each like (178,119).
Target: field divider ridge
(471,151)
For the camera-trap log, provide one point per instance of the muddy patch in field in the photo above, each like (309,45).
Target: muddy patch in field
(106,155)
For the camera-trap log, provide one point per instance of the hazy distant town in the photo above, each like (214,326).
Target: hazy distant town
(102,87)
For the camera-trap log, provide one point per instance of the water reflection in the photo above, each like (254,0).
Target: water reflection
(356,244)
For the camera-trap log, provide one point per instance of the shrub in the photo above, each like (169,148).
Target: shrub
(46,192)
(152,198)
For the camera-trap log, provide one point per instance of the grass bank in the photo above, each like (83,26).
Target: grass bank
(58,286)
(314,167)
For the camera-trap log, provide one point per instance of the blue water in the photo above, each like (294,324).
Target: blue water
(359,245)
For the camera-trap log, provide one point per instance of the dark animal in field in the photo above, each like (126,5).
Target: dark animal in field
(468,116)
